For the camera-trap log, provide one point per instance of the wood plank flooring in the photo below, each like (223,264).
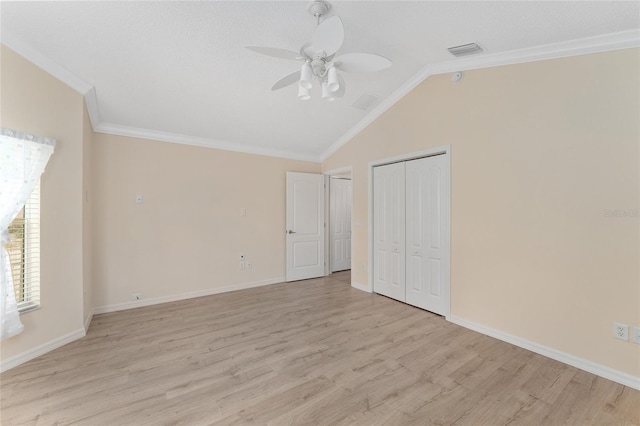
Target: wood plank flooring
(309,352)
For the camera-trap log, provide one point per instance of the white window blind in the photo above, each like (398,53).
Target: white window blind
(24,253)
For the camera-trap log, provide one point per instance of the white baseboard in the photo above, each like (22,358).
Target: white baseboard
(360,286)
(87,321)
(41,349)
(583,364)
(183,296)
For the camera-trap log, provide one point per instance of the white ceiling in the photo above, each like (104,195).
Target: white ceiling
(180,67)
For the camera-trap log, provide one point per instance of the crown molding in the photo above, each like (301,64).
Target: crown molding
(25,50)
(91,101)
(50,66)
(134,132)
(602,43)
(608,42)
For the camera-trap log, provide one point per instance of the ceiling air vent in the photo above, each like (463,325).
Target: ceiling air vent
(365,101)
(465,49)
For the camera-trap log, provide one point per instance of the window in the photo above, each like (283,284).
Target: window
(24,253)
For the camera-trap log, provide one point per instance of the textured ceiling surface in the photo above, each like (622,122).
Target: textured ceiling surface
(180,67)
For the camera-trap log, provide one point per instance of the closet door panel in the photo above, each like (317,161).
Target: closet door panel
(389,230)
(425,227)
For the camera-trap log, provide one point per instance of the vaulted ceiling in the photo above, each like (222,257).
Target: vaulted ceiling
(178,71)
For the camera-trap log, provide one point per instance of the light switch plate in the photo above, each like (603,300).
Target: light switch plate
(138,199)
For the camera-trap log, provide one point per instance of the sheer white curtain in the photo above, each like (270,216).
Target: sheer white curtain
(23,158)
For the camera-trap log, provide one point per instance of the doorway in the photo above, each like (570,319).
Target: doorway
(305,225)
(318,225)
(339,245)
(340,195)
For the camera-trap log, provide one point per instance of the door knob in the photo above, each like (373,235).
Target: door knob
(291,232)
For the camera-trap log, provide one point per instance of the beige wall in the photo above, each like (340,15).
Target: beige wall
(188,233)
(185,237)
(87,215)
(35,102)
(539,152)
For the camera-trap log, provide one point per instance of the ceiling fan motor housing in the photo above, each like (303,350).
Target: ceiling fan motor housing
(318,65)
(319,8)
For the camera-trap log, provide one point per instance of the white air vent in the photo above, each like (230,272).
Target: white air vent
(465,49)
(365,101)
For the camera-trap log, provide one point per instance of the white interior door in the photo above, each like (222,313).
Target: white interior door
(389,230)
(305,226)
(427,237)
(340,223)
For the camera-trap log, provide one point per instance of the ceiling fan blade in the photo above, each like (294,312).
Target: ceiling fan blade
(340,92)
(329,35)
(361,62)
(287,80)
(275,52)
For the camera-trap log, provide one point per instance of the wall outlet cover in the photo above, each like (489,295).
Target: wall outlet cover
(621,331)
(636,335)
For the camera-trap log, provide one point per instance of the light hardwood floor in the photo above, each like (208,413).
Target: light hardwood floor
(309,352)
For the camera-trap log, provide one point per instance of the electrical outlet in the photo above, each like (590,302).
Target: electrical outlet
(241,265)
(241,257)
(136,296)
(248,264)
(620,331)
(636,335)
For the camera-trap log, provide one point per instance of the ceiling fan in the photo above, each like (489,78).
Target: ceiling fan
(320,62)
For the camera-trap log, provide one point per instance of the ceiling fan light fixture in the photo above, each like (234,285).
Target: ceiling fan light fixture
(326,93)
(304,94)
(332,79)
(320,62)
(306,75)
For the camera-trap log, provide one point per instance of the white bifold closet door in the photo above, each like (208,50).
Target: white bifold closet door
(389,233)
(411,232)
(427,234)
